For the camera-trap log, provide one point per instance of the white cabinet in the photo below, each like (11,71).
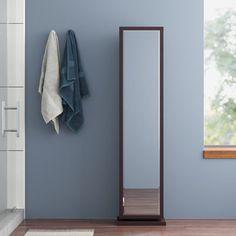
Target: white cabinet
(12,55)
(12,180)
(12,104)
(12,125)
(3,181)
(12,11)
(15,180)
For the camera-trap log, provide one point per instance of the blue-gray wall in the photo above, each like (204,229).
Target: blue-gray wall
(76,176)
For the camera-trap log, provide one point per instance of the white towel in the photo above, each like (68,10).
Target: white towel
(51,104)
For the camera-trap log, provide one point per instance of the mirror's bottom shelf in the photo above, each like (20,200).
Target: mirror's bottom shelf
(140,222)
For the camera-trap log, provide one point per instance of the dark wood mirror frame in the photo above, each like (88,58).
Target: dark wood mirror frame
(141,219)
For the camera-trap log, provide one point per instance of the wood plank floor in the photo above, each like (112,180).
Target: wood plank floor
(142,202)
(109,228)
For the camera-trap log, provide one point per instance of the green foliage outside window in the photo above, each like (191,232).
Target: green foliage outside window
(220,51)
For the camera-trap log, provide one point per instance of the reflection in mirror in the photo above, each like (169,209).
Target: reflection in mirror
(141,122)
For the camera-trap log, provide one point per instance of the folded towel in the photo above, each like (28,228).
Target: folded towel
(73,86)
(51,104)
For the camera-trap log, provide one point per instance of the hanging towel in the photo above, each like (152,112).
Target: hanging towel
(73,86)
(51,104)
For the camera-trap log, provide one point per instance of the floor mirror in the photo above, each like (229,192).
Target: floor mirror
(141,126)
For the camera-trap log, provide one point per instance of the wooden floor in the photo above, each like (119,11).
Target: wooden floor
(142,202)
(109,228)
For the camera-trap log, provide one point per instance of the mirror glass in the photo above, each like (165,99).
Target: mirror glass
(141,122)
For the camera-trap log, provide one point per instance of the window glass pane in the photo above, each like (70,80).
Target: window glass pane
(220,72)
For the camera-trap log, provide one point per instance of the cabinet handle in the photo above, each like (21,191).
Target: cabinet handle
(18,119)
(17,109)
(3,118)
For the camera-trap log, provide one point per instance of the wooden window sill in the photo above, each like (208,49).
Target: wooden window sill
(219,152)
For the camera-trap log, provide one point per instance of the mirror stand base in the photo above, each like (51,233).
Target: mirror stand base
(139,222)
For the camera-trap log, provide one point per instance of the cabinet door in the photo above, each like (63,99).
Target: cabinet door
(16,179)
(3,181)
(12,118)
(12,11)
(12,55)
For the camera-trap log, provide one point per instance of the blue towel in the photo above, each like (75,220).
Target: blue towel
(73,86)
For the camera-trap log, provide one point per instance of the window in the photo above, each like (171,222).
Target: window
(220,77)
